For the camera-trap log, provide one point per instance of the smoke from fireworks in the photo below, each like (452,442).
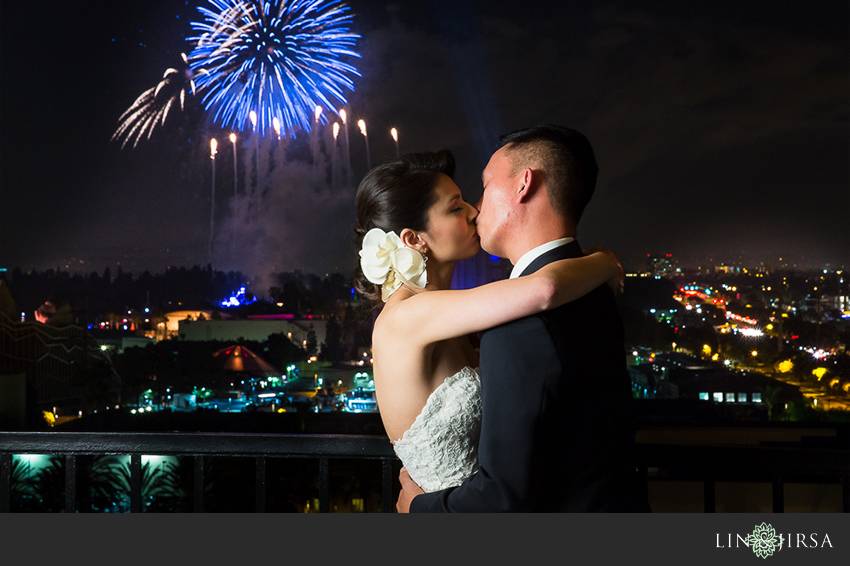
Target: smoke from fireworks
(153,106)
(281,234)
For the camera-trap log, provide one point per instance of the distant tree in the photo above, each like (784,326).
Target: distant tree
(281,351)
(311,342)
(332,346)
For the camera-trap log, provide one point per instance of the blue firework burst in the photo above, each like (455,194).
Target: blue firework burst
(279,58)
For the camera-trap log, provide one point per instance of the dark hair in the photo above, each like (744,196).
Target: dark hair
(569,165)
(397,195)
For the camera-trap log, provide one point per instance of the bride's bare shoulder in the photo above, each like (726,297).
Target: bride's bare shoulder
(390,318)
(385,328)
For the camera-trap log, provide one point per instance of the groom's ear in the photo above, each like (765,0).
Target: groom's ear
(528,182)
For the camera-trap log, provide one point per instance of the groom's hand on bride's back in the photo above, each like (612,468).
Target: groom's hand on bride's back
(409,490)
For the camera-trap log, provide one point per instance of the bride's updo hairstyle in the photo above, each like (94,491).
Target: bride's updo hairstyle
(397,195)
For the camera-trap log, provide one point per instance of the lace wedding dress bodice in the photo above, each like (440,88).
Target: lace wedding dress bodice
(440,449)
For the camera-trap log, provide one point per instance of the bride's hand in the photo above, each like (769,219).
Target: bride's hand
(617,281)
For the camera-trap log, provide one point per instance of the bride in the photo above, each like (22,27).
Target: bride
(412,226)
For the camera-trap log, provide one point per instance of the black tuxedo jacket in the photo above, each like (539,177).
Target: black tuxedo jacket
(557,430)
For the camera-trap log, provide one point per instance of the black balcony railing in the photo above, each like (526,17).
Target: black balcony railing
(658,462)
(260,447)
(776,465)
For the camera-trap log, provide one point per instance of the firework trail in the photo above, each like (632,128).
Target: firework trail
(153,106)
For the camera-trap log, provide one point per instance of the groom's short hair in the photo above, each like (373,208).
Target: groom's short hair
(566,159)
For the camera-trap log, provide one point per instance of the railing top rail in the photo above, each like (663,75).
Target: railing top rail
(650,422)
(712,456)
(196,443)
(747,458)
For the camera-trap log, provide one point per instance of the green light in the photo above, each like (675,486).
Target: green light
(35,461)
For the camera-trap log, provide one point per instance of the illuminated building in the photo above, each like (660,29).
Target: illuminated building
(257,328)
(662,266)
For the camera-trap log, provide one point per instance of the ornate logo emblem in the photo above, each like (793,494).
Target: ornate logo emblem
(763,540)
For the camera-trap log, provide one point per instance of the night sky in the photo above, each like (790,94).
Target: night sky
(721,129)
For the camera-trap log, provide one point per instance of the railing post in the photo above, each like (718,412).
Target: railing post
(260,484)
(643,481)
(845,492)
(135,483)
(709,496)
(70,483)
(324,488)
(5,481)
(387,485)
(198,485)
(778,494)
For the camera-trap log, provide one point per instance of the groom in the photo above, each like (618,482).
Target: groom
(556,432)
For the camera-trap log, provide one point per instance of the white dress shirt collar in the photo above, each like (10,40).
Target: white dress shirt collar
(532,254)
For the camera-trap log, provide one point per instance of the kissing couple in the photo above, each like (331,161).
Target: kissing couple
(539,417)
